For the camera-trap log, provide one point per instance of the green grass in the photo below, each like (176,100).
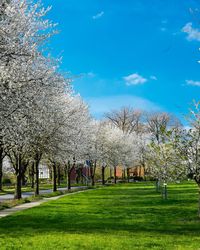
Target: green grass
(13,202)
(126,216)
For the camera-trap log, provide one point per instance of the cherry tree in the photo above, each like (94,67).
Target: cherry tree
(133,153)
(115,147)
(25,76)
(70,138)
(165,162)
(188,144)
(96,148)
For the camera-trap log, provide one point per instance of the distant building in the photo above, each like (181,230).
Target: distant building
(82,173)
(7,166)
(43,169)
(136,171)
(44,172)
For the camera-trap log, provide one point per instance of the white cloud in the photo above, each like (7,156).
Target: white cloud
(87,75)
(165,21)
(100,105)
(90,74)
(193,83)
(193,34)
(153,78)
(134,79)
(163,29)
(98,15)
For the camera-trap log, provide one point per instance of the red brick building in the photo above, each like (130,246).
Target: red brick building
(137,171)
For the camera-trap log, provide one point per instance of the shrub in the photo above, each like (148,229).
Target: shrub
(7,181)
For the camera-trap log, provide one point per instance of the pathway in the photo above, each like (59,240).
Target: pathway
(5,197)
(22,207)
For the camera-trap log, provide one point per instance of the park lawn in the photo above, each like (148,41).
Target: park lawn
(126,216)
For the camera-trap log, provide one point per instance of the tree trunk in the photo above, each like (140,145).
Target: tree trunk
(38,157)
(32,175)
(77,175)
(103,175)
(157,185)
(124,174)
(37,178)
(69,169)
(164,191)
(93,168)
(93,182)
(59,175)
(1,168)
(54,178)
(92,174)
(65,173)
(50,174)
(128,175)
(69,179)
(115,174)
(18,190)
(82,180)
(23,179)
(24,164)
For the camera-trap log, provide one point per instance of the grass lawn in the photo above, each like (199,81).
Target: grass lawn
(126,216)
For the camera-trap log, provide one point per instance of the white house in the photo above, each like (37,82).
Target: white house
(43,171)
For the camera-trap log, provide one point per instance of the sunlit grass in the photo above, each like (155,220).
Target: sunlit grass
(126,216)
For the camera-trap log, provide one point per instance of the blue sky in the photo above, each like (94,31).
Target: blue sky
(139,53)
